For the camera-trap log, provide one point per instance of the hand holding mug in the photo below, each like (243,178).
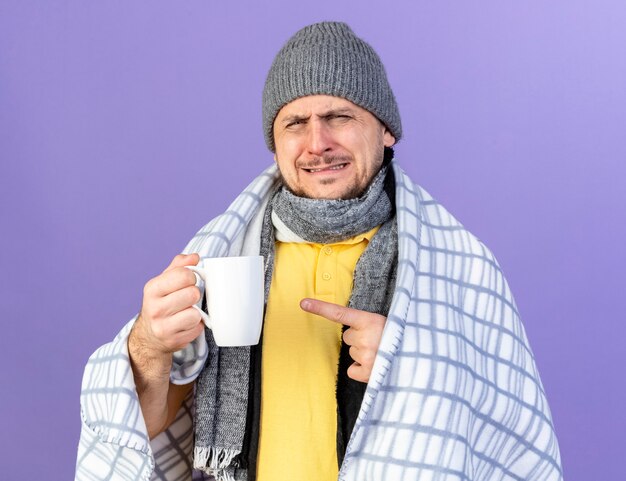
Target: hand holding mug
(167,321)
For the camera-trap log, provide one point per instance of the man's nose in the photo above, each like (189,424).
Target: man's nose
(319,138)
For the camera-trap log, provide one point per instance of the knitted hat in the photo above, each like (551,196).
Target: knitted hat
(329,59)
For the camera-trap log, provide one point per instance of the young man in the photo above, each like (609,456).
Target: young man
(391,347)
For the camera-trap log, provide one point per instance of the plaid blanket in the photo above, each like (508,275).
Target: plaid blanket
(454,393)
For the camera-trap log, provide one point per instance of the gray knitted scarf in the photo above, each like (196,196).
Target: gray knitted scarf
(222,414)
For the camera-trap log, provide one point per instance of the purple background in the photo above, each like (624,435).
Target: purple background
(125,126)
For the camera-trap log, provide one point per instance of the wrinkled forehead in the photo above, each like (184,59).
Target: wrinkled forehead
(319,105)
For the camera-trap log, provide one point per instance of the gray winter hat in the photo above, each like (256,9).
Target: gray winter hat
(329,59)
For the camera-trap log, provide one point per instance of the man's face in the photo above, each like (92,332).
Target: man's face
(327,147)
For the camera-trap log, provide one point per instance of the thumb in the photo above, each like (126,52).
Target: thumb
(183,260)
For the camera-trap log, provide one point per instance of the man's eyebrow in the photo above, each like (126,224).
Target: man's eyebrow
(324,115)
(337,111)
(293,118)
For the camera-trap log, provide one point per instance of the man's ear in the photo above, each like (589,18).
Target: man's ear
(388,139)
(275,159)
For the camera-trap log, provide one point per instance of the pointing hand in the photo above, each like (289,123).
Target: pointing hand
(363,335)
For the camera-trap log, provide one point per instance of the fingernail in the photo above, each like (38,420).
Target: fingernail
(305,304)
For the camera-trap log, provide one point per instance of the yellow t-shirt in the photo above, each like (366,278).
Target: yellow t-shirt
(298,430)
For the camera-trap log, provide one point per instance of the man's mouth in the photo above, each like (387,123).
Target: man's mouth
(327,169)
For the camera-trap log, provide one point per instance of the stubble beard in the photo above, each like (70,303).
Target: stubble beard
(354,191)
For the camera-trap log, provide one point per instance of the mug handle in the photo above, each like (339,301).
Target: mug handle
(200,273)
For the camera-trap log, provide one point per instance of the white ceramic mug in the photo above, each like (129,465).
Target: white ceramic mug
(235,295)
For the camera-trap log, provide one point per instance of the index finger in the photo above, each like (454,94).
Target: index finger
(333,312)
(183,260)
(171,280)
